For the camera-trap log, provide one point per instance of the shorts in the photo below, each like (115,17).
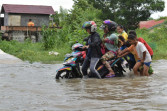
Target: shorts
(146,63)
(107,56)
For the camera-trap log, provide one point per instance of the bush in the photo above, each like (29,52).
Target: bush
(49,39)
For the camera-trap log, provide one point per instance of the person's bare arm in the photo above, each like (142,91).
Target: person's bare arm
(124,54)
(144,56)
(124,51)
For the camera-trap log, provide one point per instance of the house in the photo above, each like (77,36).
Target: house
(19,15)
(16,18)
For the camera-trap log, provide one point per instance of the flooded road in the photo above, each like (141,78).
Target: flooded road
(32,87)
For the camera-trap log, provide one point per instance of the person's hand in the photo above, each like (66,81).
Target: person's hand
(85,47)
(118,52)
(142,61)
(105,39)
(118,56)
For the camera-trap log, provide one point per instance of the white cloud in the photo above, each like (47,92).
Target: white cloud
(160,14)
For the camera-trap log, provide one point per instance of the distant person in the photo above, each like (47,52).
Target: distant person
(30,23)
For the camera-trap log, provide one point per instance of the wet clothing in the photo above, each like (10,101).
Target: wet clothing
(30,23)
(146,45)
(92,64)
(146,63)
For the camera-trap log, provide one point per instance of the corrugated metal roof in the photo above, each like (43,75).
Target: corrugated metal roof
(30,9)
(150,23)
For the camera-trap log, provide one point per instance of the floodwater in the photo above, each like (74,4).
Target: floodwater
(32,87)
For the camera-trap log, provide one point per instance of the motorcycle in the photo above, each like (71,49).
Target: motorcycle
(116,65)
(72,63)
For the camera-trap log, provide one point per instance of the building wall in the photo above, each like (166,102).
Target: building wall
(38,20)
(6,19)
(22,35)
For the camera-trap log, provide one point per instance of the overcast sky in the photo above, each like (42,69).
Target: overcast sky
(67,4)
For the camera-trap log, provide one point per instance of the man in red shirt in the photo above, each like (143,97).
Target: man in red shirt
(143,41)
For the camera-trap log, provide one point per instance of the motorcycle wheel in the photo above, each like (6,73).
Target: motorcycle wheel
(118,71)
(63,74)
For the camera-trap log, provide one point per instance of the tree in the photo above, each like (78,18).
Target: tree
(82,11)
(60,16)
(128,13)
(71,22)
(56,18)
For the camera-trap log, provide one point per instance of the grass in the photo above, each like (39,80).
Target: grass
(33,51)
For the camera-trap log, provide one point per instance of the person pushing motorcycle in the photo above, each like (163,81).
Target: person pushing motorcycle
(93,49)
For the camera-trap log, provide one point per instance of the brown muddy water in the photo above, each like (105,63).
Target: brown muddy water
(32,87)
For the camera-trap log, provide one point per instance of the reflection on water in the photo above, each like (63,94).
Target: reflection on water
(25,87)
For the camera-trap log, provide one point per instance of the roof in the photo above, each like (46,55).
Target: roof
(28,9)
(149,24)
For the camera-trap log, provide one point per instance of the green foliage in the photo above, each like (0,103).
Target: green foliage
(162,18)
(71,24)
(150,18)
(56,18)
(81,12)
(128,12)
(157,40)
(49,39)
